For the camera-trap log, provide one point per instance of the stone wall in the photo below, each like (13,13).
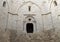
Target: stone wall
(12,18)
(12,15)
(45,36)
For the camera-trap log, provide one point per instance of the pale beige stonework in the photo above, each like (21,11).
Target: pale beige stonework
(45,36)
(44,15)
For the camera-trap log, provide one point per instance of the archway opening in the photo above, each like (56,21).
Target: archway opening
(29,27)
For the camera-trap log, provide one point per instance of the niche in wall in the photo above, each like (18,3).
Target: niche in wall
(4,3)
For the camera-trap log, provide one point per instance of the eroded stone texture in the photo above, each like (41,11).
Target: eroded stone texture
(43,14)
(12,36)
(4,36)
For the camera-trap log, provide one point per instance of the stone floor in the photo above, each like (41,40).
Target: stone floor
(45,36)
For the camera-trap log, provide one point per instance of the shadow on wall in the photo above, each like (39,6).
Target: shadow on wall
(11,36)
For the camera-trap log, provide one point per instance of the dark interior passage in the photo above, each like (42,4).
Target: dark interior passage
(29,28)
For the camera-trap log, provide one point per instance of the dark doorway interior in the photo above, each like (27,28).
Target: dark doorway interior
(29,28)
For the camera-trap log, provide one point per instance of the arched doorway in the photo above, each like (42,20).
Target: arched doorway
(29,27)
(29,24)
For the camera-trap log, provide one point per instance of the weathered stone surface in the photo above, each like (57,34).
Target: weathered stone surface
(44,15)
(12,36)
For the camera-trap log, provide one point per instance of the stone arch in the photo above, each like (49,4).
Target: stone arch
(25,3)
(29,21)
(4,14)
